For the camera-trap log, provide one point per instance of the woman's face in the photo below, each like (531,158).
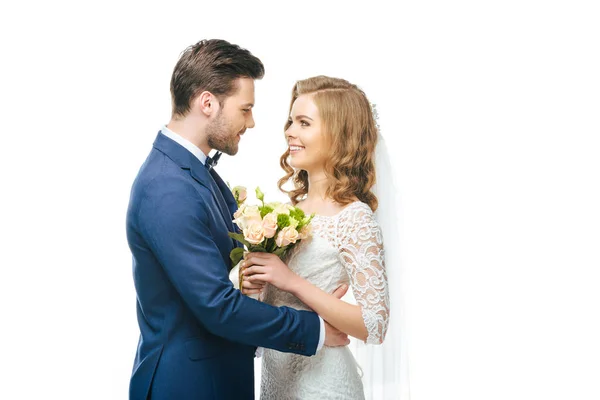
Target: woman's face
(305,138)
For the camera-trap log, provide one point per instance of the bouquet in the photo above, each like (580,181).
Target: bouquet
(268,227)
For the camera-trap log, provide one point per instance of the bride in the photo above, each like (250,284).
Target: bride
(332,136)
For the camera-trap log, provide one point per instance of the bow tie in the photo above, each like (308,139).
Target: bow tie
(211,162)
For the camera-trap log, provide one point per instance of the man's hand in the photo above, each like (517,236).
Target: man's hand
(333,336)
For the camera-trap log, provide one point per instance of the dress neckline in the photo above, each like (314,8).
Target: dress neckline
(339,212)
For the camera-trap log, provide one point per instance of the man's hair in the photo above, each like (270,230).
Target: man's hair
(211,65)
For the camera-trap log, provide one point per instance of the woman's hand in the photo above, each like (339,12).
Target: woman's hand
(249,288)
(267,267)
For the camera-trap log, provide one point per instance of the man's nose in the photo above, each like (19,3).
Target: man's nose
(250,123)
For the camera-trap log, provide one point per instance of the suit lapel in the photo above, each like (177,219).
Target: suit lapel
(198,171)
(225,191)
(229,199)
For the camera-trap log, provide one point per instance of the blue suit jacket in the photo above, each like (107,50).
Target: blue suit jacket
(198,333)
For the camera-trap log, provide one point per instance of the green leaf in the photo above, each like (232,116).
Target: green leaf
(236,255)
(257,249)
(240,238)
(280,252)
(271,245)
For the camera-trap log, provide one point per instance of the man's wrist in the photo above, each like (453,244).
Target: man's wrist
(321,335)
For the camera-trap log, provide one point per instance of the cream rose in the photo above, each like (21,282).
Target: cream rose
(305,232)
(251,212)
(269,224)
(246,215)
(240,193)
(286,236)
(239,212)
(254,233)
(282,209)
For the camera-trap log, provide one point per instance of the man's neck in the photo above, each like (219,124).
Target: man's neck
(192,131)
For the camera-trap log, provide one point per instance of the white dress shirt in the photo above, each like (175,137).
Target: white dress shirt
(189,146)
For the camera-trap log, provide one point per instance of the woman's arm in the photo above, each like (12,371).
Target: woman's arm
(361,252)
(343,316)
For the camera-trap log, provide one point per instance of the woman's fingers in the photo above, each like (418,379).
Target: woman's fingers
(252,285)
(258,277)
(256,269)
(259,254)
(253,260)
(258,258)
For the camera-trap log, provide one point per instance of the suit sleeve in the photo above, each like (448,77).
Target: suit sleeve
(173,219)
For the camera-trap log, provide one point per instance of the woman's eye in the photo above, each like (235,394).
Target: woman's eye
(304,123)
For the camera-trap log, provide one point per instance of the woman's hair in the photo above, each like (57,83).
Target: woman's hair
(212,65)
(350,134)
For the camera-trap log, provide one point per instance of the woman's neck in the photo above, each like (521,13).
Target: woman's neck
(317,186)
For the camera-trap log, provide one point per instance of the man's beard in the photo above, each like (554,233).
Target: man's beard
(219,136)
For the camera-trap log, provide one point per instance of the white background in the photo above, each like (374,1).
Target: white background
(492,113)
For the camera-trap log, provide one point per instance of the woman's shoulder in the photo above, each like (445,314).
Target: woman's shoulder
(356,224)
(348,211)
(336,211)
(357,207)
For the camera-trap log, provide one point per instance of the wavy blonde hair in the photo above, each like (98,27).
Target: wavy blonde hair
(351,134)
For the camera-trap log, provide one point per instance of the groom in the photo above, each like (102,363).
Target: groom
(198,333)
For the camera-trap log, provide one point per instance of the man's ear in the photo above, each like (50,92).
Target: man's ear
(206,103)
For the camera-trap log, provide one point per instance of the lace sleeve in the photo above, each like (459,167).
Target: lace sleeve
(361,252)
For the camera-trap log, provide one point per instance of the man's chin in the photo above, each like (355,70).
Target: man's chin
(230,150)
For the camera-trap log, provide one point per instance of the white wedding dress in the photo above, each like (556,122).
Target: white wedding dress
(344,248)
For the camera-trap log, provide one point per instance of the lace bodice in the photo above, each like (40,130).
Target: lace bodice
(344,248)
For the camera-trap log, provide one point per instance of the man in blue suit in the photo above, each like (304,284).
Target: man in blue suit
(199,334)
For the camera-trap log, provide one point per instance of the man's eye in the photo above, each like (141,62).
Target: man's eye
(246,110)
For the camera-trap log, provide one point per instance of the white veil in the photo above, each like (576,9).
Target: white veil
(385,367)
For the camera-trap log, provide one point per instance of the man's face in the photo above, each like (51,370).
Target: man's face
(232,120)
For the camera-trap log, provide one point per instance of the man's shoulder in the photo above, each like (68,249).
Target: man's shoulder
(161,176)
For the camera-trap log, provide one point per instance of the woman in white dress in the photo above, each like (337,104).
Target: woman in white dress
(332,135)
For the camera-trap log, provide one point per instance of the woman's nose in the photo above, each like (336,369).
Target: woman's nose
(289,133)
